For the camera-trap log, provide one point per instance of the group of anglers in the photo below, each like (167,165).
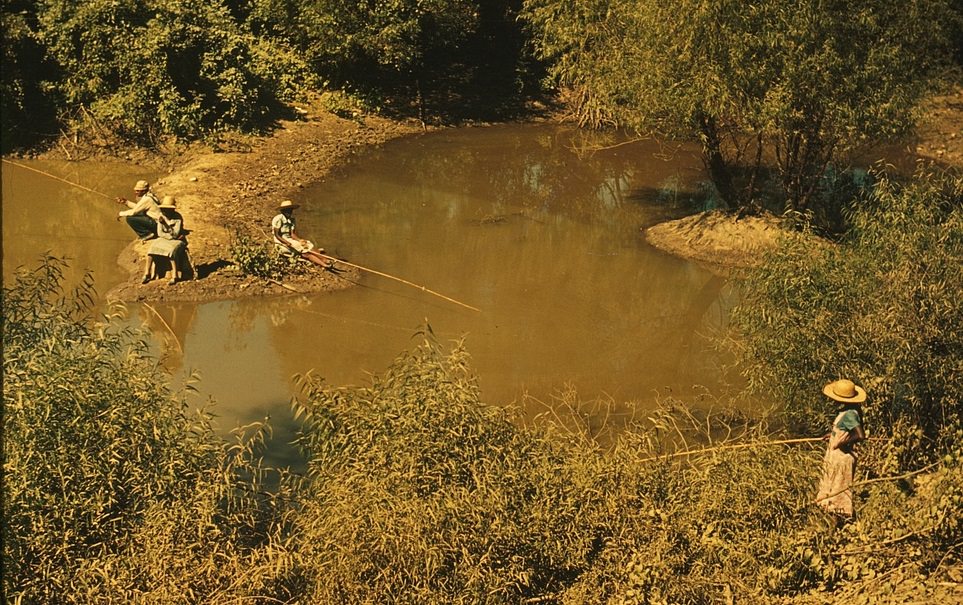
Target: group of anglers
(158,222)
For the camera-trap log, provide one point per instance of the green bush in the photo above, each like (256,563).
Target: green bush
(255,257)
(883,307)
(143,69)
(114,489)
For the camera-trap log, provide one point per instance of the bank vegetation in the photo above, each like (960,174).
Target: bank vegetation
(417,490)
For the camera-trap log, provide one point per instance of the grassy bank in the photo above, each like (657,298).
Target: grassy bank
(417,492)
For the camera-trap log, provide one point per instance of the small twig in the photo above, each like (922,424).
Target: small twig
(734,446)
(285,286)
(878,545)
(877,480)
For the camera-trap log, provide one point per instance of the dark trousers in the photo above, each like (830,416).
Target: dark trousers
(144,226)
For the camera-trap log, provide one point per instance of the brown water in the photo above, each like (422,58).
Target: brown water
(511,219)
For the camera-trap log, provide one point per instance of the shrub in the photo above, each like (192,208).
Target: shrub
(254,257)
(143,69)
(884,307)
(114,489)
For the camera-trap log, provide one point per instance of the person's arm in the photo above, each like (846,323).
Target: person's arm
(295,236)
(276,229)
(133,208)
(852,437)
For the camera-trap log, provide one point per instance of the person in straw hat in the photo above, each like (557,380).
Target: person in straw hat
(143,214)
(287,240)
(171,243)
(839,464)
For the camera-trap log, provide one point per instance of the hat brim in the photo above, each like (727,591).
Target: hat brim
(859,397)
(291,207)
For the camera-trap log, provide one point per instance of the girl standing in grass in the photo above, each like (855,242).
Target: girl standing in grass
(839,465)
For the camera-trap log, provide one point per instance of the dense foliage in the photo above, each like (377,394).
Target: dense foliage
(116,491)
(784,83)
(146,68)
(883,307)
(142,70)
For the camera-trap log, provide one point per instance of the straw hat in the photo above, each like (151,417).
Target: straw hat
(168,202)
(845,391)
(141,185)
(288,204)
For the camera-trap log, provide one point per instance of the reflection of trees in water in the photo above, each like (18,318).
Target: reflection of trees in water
(242,315)
(541,170)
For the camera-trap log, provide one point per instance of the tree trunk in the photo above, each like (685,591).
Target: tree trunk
(715,161)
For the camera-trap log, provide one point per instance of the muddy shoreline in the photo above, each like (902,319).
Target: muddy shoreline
(221,192)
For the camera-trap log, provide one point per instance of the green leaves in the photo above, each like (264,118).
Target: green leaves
(883,307)
(144,69)
(805,82)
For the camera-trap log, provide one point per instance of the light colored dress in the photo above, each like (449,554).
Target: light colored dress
(169,242)
(839,465)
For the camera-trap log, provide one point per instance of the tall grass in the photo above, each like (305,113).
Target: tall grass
(116,491)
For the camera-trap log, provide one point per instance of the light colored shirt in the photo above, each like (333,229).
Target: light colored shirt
(147,204)
(282,226)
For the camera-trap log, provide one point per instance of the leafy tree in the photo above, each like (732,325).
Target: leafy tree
(884,308)
(392,44)
(23,104)
(147,68)
(792,84)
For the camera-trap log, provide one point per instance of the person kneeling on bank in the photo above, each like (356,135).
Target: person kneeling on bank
(142,215)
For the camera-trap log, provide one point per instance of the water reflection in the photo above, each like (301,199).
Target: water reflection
(524,222)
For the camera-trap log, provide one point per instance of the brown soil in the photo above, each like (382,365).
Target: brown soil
(223,192)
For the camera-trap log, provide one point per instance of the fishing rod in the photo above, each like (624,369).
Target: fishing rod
(54,176)
(398,279)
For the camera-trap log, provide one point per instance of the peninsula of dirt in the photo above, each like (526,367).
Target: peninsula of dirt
(224,193)
(722,242)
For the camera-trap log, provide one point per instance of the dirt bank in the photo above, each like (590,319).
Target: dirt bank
(219,192)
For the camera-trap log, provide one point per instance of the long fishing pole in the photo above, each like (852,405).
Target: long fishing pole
(398,279)
(54,176)
(404,281)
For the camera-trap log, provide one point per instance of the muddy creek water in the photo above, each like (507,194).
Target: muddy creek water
(542,237)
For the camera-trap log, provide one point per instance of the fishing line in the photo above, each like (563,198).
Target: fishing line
(55,177)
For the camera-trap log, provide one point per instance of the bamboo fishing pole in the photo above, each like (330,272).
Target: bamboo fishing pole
(732,446)
(54,176)
(398,279)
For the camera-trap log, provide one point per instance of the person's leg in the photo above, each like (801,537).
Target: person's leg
(148,269)
(189,264)
(316,258)
(144,226)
